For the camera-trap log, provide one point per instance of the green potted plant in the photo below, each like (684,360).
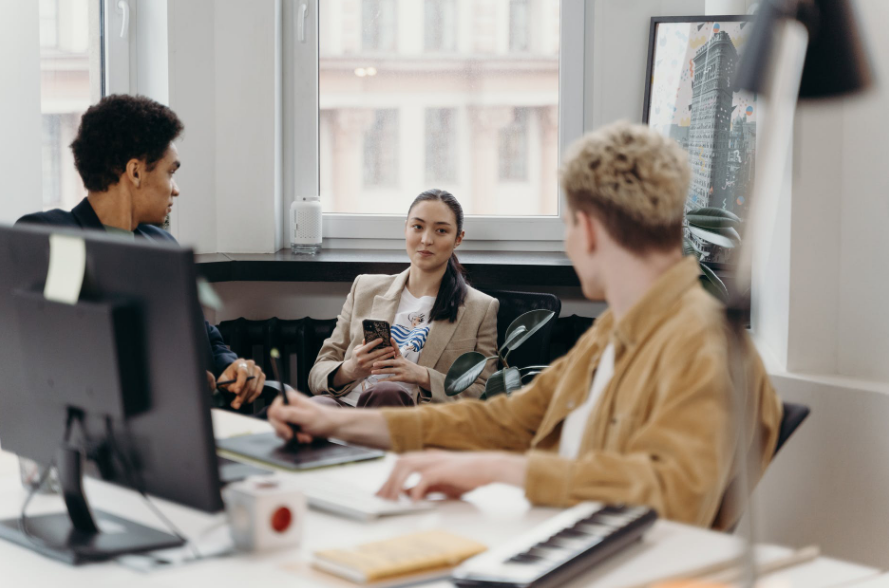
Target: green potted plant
(469,366)
(716,226)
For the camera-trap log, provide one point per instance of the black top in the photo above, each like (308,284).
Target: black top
(84,217)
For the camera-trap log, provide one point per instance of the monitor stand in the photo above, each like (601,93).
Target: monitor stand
(74,537)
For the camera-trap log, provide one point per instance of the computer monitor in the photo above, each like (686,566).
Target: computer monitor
(116,378)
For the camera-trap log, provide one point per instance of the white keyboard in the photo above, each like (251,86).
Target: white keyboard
(355,503)
(558,549)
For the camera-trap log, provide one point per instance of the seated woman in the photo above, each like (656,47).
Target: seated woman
(435,317)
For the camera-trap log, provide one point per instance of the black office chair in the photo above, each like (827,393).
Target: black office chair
(514,304)
(793,417)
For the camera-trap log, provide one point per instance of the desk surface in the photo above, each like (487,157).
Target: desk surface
(491,515)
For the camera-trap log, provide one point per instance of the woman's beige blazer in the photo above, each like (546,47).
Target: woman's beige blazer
(377,297)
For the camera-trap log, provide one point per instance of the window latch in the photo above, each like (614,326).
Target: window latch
(123,7)
(303,10)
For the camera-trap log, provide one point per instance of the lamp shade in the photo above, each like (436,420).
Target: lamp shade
(836,63)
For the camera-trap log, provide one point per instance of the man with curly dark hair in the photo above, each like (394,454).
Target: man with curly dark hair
(125,154)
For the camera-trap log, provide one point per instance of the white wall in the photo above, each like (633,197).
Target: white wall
(832,231)
(829,485)
(20,143)
(192,74)
(224,63)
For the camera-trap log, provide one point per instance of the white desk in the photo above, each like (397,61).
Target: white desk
(490,515)
(881,581)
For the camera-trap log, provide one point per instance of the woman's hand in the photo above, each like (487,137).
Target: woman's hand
(401,370)
(360,365)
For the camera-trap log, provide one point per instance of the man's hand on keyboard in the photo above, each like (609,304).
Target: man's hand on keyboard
(453,473)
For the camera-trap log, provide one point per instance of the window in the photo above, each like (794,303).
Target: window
(70,80)
(379,25)
(49,23)
(381,150)
(407,101)
(519,28)
(513,149)
(441,142)
(440,25)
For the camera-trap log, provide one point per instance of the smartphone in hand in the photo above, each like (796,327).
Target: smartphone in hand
(374,329)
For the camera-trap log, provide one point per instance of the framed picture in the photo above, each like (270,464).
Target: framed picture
(690,96)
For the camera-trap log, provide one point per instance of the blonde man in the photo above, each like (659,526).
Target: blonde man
(638,411)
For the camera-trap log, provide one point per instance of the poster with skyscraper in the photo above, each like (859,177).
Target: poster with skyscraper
(690,96)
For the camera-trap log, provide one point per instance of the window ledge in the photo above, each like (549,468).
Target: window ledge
(487,269)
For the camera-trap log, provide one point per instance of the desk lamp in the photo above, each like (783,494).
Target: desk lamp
(799,49)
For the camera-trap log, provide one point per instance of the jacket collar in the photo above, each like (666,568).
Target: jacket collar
(654,306)
(86,216)
(386,305)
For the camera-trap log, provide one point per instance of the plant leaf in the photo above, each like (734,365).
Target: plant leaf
(536,368)
(725,237)
(712,284)
(529,376)
(715,213)
(503,382)
(532,322)
(464,371)
(711,222)
(689,247)
(513,335)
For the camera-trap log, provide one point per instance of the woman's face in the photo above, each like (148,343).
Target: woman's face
(430,234)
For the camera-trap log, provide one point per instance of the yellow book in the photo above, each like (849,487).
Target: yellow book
(407,554)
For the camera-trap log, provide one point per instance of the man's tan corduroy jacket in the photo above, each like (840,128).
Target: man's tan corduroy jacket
(377,297)
(661,434)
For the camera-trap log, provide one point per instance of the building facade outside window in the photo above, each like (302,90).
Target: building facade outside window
(440,25)
(68,85)
(519,25)
(513,149)
(441,146)
(423,115)
(379,25)
(381,150)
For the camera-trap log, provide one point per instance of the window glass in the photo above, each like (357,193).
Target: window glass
(441,145)
(518,25)
(440,24)
(514,148)
(379,25)
(453,94)
(65,93)
(381,149)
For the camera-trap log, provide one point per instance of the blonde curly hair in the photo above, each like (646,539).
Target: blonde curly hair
(634,179)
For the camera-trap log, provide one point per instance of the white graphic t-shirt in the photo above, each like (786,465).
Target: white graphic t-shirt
(410,329)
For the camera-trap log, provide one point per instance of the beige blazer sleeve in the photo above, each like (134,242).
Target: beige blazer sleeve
(333,352)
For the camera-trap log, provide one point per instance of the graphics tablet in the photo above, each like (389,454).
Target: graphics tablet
(269,448)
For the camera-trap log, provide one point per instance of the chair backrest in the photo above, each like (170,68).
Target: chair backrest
(536,351)
(793,417)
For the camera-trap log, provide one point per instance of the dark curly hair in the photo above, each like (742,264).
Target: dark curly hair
(117,129)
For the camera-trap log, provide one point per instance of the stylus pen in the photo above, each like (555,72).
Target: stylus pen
(276,357)
(227,382)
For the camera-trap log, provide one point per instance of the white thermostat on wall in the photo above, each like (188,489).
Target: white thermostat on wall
(305,225)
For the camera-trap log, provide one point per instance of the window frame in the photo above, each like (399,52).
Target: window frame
(301,147)
(116,49)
